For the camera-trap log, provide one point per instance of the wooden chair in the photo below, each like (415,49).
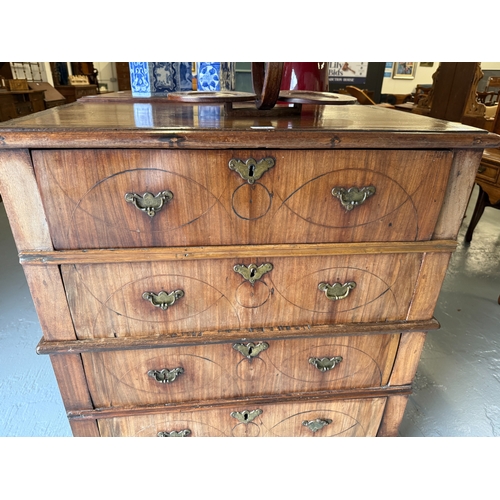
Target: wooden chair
(360,95)
(420,92)
(492,90)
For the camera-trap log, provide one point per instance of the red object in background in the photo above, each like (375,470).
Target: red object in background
(305,76)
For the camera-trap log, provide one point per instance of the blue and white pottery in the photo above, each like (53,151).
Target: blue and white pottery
(215,76)
(140,80)
(160,78)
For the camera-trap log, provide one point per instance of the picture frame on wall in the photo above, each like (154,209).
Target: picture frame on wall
(404,70)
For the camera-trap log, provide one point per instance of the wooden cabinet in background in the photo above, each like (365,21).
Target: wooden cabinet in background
(74,92)
(201,277)
(123,75)
(14,104)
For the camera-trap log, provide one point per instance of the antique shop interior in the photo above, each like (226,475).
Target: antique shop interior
(456,389)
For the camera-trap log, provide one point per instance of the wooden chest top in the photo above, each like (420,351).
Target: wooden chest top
(164,125)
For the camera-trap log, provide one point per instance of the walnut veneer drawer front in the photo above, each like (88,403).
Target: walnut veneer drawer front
(95,198)
(144,299)
(210,372)
(326,419)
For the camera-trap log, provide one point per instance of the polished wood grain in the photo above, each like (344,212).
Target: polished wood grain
(89,257)
(83,125)
(165,254)
(256,401)
(428,287)
(408,356)
(349,419)
(212,205)
(107,300)
(22,201)
(393,414)
(71,380)
(465,164)
(120,378)
(29,227)
(178,339)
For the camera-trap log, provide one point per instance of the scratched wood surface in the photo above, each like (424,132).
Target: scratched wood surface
(356,418)
(120,378)
(84,196)
(86,156)
(106,300)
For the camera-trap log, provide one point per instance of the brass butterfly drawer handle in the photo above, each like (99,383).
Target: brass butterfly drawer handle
(325,364)
(166,376)
(167,434)
(163,300)
(148,202)
(337,291)
(317,424)
(246,416)
(251,170)
(252,273)
(353,197)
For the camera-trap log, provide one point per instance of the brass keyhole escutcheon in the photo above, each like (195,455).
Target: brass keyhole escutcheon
(251,170)
(246,416)
(252,273)
(251,350)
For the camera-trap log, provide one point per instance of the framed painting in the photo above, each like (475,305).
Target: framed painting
(404,70)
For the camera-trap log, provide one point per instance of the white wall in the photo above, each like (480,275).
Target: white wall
(107,75)
(423,76)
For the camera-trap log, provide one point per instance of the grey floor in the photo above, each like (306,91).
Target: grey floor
(457,387)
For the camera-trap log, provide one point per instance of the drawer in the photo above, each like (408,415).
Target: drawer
(348,418)
(210,372)
(488,172)
(95,198)
(147,299)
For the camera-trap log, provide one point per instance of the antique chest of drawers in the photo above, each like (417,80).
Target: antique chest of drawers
(197,274)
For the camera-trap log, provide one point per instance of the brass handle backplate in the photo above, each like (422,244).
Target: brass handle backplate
(251,350)
(163,300)
(481,169)
(317,424)
(166,434)
(325,364)
(337,291)
(353,197)
(246,416)
(252,273)
(166,376)
(251,170)
(148,202)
